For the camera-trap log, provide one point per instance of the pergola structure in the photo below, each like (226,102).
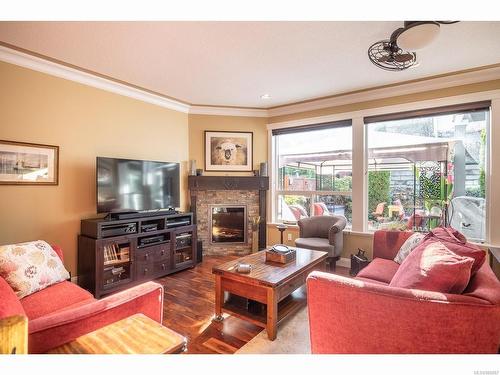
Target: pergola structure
(387,152)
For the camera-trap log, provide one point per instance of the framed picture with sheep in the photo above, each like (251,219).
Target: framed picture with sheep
(228,151)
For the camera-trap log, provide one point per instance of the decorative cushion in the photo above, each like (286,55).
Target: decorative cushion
(434,268)
(379,269)
(457,243)
(30,266)
(410,244)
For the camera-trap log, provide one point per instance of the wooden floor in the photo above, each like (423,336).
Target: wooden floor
(189,307)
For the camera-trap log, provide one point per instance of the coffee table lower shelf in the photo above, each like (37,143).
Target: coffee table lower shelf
(286,307)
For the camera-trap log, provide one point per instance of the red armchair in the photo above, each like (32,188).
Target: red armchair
(365,315)
(64,311)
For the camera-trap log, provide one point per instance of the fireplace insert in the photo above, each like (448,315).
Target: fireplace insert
(228,224)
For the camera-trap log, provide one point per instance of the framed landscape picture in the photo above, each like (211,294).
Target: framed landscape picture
(28,164)
(228,151)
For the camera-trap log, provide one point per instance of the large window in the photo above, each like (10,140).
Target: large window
(429,170)
(313,172)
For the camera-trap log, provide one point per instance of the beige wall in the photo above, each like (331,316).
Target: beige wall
(84,122)
(199,123)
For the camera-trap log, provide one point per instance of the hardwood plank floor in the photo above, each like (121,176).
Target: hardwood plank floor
(188,309)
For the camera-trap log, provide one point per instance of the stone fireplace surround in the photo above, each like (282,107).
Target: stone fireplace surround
(228,190)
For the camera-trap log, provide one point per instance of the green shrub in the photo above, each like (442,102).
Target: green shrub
(343,183)
(378,189)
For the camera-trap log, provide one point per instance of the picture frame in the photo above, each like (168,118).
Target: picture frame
(228,151)
(28,163)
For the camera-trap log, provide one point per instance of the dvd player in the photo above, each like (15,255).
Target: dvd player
(151,240)
(118,229)
(149,227)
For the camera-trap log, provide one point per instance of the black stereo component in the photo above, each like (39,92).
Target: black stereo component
(118,229)
(144,241)
(149,227)
(183,240)
(178,221)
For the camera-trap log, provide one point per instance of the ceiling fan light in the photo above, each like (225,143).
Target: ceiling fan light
(418,35)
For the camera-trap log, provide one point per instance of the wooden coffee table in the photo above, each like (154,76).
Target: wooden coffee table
(136,334)
(271,284)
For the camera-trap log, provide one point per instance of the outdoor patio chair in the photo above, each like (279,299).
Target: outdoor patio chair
(298,211)
(320,209)
(378,214)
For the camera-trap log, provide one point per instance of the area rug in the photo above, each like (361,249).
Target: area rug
(293,338)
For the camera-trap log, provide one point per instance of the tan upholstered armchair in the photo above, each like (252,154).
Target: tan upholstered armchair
(324,233)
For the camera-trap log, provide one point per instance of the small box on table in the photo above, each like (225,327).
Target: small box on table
(280,254)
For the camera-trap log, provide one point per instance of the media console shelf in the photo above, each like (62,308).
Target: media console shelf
(116,254)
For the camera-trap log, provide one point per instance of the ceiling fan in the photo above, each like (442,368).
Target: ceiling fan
(397,54)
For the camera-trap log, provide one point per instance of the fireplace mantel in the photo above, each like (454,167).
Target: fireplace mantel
(228,183)
(221,183)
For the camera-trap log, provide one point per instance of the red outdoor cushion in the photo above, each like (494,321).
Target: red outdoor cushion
(54,298)
(379,269)
(456,242)
(434,268)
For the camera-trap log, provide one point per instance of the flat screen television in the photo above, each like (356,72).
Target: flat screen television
(125,185)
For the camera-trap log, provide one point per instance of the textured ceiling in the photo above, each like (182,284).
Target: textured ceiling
(234,63)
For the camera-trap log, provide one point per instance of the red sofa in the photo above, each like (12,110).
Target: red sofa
(365,316)
(64,311)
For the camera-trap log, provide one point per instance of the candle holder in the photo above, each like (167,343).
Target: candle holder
(281,228)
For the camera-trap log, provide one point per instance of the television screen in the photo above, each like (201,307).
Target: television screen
(136,185)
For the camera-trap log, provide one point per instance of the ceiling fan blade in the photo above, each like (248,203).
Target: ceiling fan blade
(384,58)
(404,57)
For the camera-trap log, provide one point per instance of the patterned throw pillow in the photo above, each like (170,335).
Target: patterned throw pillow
(410,244)
(31,266)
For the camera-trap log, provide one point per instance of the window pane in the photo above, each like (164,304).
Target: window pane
(428,171)
(311,162)
(315,160)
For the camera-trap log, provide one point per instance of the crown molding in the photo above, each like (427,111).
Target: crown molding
(392,108)
(26,60)
(412,87)
(30,61)
(227,111)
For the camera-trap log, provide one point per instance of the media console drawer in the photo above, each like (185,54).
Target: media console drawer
(145,255)
(162,252)
(144,270)
(160,268)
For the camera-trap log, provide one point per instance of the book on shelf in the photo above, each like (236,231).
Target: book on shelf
(113,253)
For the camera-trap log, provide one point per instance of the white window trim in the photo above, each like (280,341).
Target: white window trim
(359,211)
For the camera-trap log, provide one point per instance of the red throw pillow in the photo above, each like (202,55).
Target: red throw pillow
(456,242)
(435,268)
